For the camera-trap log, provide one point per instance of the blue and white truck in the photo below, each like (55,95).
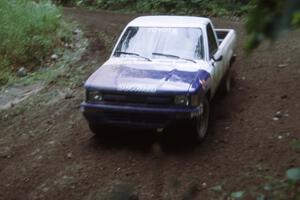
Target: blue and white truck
(162,71)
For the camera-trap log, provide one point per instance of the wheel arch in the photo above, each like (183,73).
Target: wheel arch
(208,94)
(232,60)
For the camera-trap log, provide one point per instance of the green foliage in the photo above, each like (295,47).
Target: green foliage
(268,18)
(29,31)
(296,19)
(293,175)
(184,7)
(287,188)
(107,39)
(237,195)
(295,144)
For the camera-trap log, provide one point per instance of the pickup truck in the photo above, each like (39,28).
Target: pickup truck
(163,70)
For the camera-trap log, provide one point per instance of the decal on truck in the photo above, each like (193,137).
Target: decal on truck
(136,89)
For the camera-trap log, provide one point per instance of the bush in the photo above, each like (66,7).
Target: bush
(200,7)
(29,31)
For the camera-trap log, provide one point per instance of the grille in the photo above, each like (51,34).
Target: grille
(137,117)
(137,99)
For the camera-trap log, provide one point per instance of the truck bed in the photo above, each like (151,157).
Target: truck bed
(221,34)
(227,43)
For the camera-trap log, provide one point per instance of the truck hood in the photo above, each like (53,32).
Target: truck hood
(144,77)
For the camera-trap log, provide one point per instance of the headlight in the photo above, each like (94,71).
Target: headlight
(94,96)
(181,100)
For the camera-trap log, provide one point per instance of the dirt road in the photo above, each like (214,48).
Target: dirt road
(48,152)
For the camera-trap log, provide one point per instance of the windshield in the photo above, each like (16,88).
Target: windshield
(158,42)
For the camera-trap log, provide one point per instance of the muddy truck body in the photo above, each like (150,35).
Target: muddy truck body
(162,71)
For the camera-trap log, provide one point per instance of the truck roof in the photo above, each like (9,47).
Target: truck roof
(169,21)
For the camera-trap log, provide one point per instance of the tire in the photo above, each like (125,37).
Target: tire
(228,81)
(226,84)
(200,124)
(95,128)
(102,131)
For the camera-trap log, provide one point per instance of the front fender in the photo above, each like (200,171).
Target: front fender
(201,84)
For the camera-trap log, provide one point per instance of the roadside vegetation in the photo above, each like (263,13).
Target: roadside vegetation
(184,7)
(265,19)
(30,31)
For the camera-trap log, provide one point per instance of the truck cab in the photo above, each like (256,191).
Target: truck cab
(163,69)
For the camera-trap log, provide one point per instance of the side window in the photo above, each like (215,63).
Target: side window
(212,43)
(124,42)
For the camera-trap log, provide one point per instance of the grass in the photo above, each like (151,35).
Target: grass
(107,39)
(29,32)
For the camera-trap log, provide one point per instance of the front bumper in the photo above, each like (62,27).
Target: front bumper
(138,116)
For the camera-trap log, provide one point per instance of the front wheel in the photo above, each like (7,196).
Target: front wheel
(200,124)
(95,128)
(100,130)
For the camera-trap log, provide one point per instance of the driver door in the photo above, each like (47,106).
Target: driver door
(213,54)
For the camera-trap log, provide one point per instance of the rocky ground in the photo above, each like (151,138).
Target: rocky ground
(48,152)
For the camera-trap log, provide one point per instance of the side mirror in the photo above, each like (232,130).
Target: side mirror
(219,58)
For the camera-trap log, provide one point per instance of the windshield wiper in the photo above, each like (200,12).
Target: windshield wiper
(134,54)
(173,56)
